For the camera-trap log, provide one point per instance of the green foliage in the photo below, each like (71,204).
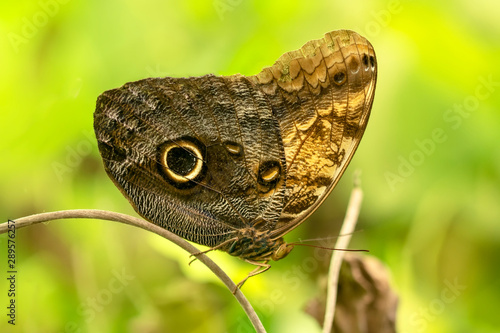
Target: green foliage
(430,161)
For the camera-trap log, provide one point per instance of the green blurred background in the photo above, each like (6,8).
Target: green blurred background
(430,162)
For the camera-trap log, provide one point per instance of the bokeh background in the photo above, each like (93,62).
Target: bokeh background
(430,162)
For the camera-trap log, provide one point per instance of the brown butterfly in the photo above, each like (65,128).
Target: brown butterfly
(236,162)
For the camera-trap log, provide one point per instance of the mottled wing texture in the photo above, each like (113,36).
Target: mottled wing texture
(321,95)
(234,127)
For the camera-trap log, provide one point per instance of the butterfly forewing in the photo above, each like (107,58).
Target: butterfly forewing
(223,121)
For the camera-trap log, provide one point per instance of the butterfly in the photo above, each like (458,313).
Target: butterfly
(236,162)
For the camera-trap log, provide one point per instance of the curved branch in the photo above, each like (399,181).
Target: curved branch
(143,224)
(346,231)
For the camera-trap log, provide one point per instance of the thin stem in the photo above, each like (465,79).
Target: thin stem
(117,217)
(347,229)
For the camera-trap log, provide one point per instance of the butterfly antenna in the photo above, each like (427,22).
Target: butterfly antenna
(326,238)
(328,248)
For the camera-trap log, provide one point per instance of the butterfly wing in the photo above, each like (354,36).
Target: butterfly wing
(201,157)
(321,95)
(210,157)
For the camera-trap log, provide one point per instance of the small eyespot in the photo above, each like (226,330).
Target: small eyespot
(339,78)
(233,148)
(354,65)
(181,162)
(372,62)
(269,175)
(365,61)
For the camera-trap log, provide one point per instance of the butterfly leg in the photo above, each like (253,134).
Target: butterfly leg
(262,267)
(210,249)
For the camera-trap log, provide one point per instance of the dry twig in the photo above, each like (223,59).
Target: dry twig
(347,229)
(117,217)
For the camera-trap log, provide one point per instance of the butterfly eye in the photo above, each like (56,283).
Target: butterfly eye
(182,162)
(282,251)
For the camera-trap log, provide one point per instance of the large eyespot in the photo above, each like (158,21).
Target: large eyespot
(181,161)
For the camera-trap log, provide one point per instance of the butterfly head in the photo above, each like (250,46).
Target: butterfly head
(282,250)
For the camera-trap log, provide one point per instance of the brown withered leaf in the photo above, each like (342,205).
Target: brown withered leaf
(365,301)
